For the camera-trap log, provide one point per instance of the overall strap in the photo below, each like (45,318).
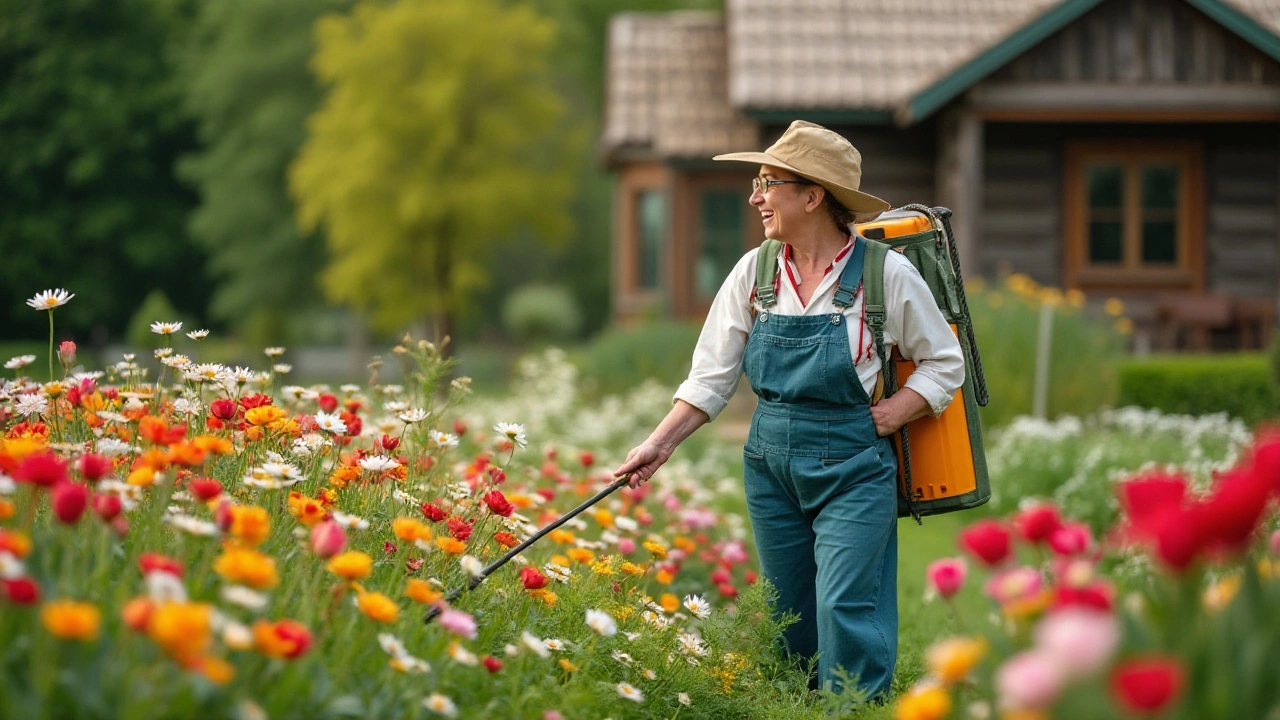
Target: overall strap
(851,276)
(766,271)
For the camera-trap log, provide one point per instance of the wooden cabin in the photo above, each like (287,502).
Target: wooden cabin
(1125,148)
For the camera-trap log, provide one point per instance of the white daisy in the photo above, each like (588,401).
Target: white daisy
(50,299)
(354,522)
(557,572)
(461,655)
(331,423)
(20,361)
(405,497)
(272,352)
(412,415)
(242,376)
(623,658)
(162,353)
(630,692)
(602,623)
(654,619)
(112,446)
(683,699)
(165,328)
(198,334)
(691,644)
(513,432)
(471,565)
(209,372)
(378,463)
(649,674)
(30,404)
(698,605)
(282,368)
(184,406)
(554,644)
(237,636)
(7,485)
(349,388)
(165,587)
(244,597)
(192,525)
(532,642)
(395,406)
(410,664)
(443,439)
(441,705)
(10,566)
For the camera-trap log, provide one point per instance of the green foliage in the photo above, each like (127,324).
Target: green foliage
(439,132)
(541,313)
(622,356)
(1240,385)
(92,123)
(1085,350)
(155,308)
(244,70)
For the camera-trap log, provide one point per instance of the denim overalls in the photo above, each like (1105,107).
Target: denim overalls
(821,491)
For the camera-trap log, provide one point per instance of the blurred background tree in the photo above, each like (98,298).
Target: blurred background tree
(91,125)
(439,133)
(249,89)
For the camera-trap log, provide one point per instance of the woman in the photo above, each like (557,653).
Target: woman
(819,467)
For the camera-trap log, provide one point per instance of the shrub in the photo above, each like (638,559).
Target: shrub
(622,357)
(1239,385)
(541,313)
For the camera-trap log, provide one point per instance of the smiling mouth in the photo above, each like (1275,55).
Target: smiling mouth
(766,217)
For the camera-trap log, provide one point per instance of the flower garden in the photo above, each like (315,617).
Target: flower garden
(185,539)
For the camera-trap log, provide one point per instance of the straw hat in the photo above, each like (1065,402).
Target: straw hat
(825,157)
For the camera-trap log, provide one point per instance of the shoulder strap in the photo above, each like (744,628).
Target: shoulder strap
(873,297)
(766,270)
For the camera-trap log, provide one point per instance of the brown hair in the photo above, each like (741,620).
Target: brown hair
(840,215)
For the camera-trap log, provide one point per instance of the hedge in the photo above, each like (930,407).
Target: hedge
(1238,384)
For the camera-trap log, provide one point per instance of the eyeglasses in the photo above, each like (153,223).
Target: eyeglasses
(762,185)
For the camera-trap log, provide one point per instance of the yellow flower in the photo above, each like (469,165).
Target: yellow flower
(351,565)
(1051,297)
(658,550)
(1220,594)
(560,560)
(1075,298)
(603,566)
(669,602)
(1114,307)
(923,703)
(453,546)
(1268,569)
(604,517)
(421,591)
(545,596)
(1124,325)
(265,415)
(247,567)
(1029,606)
(582,555)
(631,568)
(142,477)
(250,524)
(951,660)
(53,389)
(71,620)
(182,629)
(568,666)
(408,529)
(378,607)
(307,510)
(561,536)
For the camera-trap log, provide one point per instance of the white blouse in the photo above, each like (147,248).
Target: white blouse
(913,324)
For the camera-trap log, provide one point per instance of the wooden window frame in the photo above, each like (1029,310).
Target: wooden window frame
(692,227)
(1131,275)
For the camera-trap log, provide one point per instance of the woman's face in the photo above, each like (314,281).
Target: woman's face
(782,207)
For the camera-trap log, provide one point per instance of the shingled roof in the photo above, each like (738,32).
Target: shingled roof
(673,92)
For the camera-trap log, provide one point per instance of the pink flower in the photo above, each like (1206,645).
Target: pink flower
(946,576)
(988,540)
(734,552)
(1029,680)
(626,546)
(69,501)
(1037,523)
(1070,538)
(328,539)
(458,623)
(1275,542)
(1080,640)
(1019,583)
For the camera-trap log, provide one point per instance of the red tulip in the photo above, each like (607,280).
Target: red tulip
(43,469)
(69,501)
(23,591)
(498,503)
(328,402)
(107,506)
(150,562)
(205,489)
(433,513)
(94,467)
(1148,500)
(491,663)
(947,575)
(460,529)
(1097,596)
(295,633)
(388,442)
(1147,685)
(1070,538)
(1037,523)
(223,409)
(459,428)
(987,540)
(720,576)
(751,577)
(587,458)
(67,353)
(532,578)
(728,590)
(328,539)
(497,474)
(256,400)
(1229,515)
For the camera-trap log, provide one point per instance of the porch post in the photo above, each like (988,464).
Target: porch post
(959,179)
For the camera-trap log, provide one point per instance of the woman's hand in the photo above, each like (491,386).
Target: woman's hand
(892,413)
(642,462)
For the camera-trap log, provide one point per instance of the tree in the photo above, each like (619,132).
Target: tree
(90,125)
(439,133)
(248,86)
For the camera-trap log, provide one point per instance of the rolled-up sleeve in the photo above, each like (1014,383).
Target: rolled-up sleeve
(922,334)
(717,358)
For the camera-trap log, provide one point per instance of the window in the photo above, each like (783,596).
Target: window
(721,239)
(651,223)
(1133,215)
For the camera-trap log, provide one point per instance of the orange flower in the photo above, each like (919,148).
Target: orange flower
(582,555)
(142,477)
(184,453)
(378,607)
(253,432)
(214,669)
(308,511)
(659,551)
(327,497)
(684,543)
(137,613)
(247,567)
(670,603)
(604,517)
(664,577)
(561,536)
(250,524)
(351,565)
(7,509)
(153,429)
(15,543)
(560,560)
(631,568)
(450,545)
(213,445)
(342,476)
(71,620)
(283,639)
(264,415)
(182,629)
(421,591)
(408,529)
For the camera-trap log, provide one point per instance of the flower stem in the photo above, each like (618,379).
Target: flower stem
(50,344)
